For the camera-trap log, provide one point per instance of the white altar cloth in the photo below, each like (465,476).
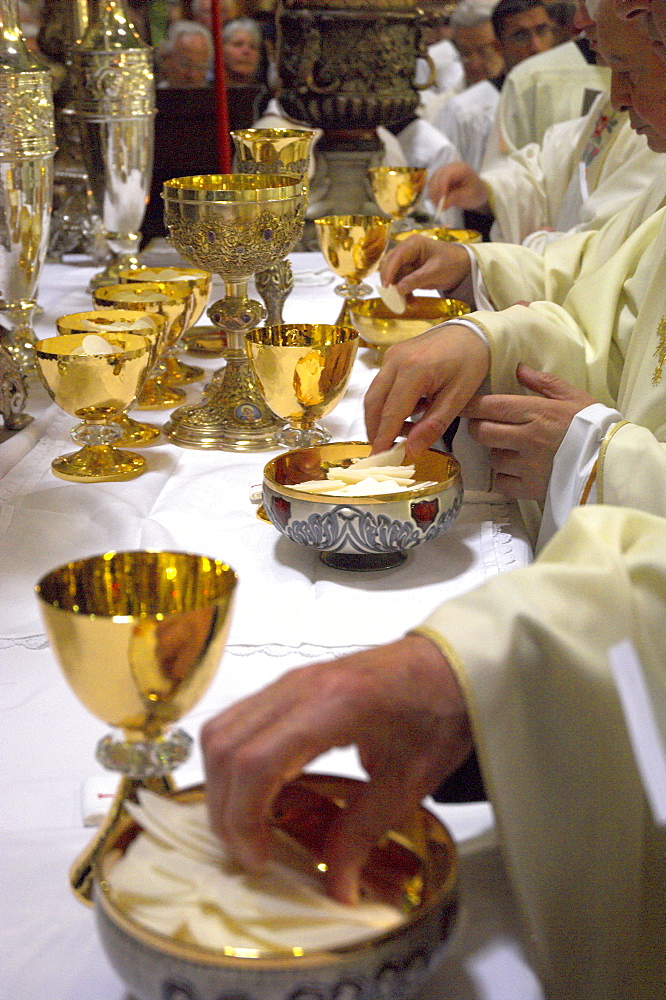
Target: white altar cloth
(290,609)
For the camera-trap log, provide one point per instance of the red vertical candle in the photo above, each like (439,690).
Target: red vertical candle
(223,147)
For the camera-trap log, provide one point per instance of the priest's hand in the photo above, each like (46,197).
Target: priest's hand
(420,262)
(458,185)
(523,433)
(435,376)
(399,704)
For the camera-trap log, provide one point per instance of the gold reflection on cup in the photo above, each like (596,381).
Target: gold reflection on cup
(397,189)
(95,388)
(176,372)
(138,636)
(173,302)
(302,372)
(353,246)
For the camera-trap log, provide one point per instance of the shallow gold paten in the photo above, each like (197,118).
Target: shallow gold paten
(442,234)
(353,246)
(379,326)
(397,189)
(171,300)
(302,371)
(138,636)
(414,866)
(95,388)
(233,225)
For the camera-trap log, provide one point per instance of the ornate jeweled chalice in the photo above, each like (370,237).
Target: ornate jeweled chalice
(135,433)
(274,151)
(397,189)
(173,302)
(353,246)
(95,387)
(138,636)
(302,371)
(175,371)
(233,225)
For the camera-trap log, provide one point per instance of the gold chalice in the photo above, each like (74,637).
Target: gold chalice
(353,246)
(274,151)
(95,387)
(173,302)
(138,636)
(135,433)
(176,372)
(233,225)
(397,189)
(302,371)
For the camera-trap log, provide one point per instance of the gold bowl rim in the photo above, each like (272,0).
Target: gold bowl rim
(276,133)
(112,315)
(260,334)
(360,449)
(273,960)
(449,234)
(134,351)
(219,189)
(178,290)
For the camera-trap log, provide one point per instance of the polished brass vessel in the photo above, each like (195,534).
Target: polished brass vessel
(114,97)
(27,148)
(232,225)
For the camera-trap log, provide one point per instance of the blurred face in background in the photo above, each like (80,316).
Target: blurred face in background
(188,63)
(479,52)
(526,34)
(241,57)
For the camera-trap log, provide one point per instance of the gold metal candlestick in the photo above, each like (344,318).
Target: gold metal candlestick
(27,148)
(232,225)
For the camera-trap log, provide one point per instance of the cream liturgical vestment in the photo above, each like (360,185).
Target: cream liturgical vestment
(582,173)
(585,857)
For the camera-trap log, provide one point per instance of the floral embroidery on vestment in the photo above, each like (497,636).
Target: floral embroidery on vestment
(660,352)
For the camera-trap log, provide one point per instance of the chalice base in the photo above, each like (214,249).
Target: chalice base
(352,291)
(232,416)
(302,437)
(98,463)
(144,758)
(176,372)
(361,562)
(136,433)
(157,395)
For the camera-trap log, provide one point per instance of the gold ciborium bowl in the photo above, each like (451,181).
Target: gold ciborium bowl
(379,326)
(352,245)
(302,371)
(273,150)
(175,371)
(95,387)
(138,636)
(415,868)
(171,300)
(397,189)
(360,532)
(442,234)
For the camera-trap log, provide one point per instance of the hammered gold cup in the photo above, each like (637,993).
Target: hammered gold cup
(353,245)
(173,301)
(138,636)
(232,225)
(302,371)
(379,327)
(397,189)
(95,388)
(175,371)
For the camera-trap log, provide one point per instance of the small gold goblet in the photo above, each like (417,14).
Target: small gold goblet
(302,371)
(397,189)
(176,372)
(353,246)
(135,433)
(138,636)
(173,302)
(95,388)
(233,225)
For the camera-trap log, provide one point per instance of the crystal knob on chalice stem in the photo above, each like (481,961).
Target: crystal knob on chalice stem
(138,636)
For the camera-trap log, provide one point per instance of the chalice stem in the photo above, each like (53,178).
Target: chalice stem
(82,872)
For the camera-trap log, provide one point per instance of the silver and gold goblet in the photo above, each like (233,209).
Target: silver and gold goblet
(232,225)
(138,636)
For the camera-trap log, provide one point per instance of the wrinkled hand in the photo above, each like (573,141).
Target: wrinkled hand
(523,433)
(459,185)
(420,262)
(437,373)
(401,706)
